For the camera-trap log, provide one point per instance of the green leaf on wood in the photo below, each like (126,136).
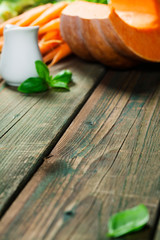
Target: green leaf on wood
(128,221)
(33,85)
(61,80)
(44,81)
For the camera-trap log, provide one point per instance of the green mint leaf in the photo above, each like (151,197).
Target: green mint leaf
(42,70)
(61,79)
(130,220)
(33,85)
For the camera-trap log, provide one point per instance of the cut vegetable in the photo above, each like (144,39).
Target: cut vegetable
(138,33)
(85,17)
(71,33)
(127,221)
(141,6)
(103,50)
(115,38)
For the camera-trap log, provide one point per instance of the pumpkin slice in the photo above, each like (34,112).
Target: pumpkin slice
(69,29)
(135,34)
(142,6)
(89,39)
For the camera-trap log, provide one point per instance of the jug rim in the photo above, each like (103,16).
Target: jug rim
(11,27)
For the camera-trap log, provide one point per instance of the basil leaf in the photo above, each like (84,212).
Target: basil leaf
(33,85)
(64,75)
(127,221)
(42,70)
(61,80)
(44,80)
(59,84)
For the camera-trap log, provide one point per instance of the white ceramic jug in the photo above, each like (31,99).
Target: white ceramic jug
(19,53)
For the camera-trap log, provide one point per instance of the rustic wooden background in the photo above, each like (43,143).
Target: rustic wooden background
(69,160)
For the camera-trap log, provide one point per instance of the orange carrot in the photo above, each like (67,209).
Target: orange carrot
(49,45)
(23,18)
(63,51)
(49,56)
(49,14)
(50,26)
(10,21)
(1,43)
(33,14)
(51,35)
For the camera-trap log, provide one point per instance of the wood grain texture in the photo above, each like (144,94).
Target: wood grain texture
(157,235)
(32,124)
(107,161)
(15,105)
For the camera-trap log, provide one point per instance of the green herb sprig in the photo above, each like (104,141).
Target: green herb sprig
(45,80)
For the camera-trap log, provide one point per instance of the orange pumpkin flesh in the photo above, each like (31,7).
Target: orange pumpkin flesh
(113,37)
(88,38)
(143,39)
(139,6)
(95,41)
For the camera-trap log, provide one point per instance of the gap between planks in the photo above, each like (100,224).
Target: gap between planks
(156,229)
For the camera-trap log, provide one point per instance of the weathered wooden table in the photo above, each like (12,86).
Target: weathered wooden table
(69,160)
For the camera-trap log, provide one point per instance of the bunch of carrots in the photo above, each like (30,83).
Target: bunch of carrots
(47,17)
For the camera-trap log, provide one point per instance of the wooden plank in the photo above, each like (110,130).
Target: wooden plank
(106,161)
(16,105)
(157,233)
(40,120)
(157,237)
